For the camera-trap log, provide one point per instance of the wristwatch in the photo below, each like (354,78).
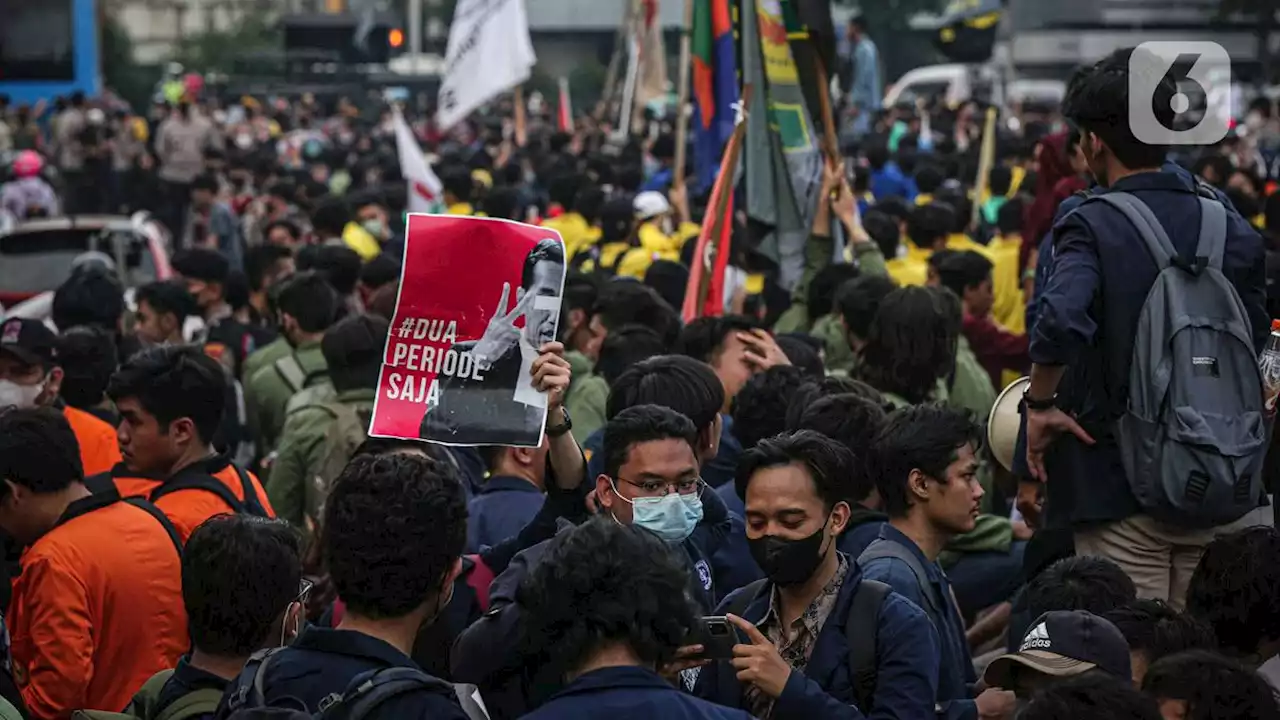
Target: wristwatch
(562,428)
(1033,404)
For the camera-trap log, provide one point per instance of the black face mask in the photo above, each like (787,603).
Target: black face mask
(788,562)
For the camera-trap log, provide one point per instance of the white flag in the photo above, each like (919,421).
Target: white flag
(426,194)
(489,53)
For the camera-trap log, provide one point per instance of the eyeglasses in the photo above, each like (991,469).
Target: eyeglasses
(659,488)
(304,591)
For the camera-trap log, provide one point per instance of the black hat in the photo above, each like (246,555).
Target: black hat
(31,341)
(1062,644)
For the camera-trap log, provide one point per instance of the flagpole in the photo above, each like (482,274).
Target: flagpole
(620,47)
(986,158)
(682,95)
(723,191)
(518,100)
(629,88)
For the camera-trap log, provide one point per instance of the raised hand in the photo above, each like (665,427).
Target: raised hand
(759,663)
(501,334)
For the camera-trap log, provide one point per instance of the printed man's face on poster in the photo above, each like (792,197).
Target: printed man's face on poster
(540,322)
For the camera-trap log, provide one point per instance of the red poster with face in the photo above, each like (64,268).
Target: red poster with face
(478,296)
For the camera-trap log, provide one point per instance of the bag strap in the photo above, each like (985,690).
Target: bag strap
(881,549)
(744,597)
(192,705)
(1213,234)
(479,579)
(861,631)
(248,686)
(1147,225)
(197,481)
(252,504)
(371,689)
(155,512)
(290,370)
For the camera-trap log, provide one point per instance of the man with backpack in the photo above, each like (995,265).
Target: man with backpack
(320,437)
(229,617)
(170,401)
(307,306)
(97,608)
(816,639)
(926,474)
(394,529)
(1144,416)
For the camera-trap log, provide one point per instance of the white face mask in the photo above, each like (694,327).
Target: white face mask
(19,396)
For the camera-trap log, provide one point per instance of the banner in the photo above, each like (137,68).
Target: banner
(783,165)
(489,53)
(426,194)
(652,83)
(564,110)
(478,297)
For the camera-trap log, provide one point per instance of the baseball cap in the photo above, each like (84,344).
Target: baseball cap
(1063,644)
(650,204)
(31,341)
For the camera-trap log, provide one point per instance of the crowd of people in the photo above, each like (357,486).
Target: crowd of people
(791,509)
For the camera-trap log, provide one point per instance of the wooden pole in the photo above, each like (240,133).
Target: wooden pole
(620,48)
(521,132)
(986,158)
(831,145)
(682,95)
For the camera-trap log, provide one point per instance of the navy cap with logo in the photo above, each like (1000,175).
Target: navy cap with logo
(30,341)
(1062,644)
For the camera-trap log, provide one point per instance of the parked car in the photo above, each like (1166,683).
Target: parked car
(36,255)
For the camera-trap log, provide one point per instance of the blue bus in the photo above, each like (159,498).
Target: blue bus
(49,48)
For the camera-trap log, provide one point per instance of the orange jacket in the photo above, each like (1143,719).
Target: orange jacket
(99,448)
(97,610)
(188,508)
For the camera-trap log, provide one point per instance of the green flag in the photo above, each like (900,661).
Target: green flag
(783,167)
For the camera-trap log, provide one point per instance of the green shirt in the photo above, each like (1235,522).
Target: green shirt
(972,388)
(265,355)
(818,254)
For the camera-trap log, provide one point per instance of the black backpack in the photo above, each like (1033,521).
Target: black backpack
(195,479)
(861,628)
(362,696)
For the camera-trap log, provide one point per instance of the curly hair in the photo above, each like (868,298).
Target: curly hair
(1212,686)
(394,525)
(1236,588)
(604,583)
(911,344)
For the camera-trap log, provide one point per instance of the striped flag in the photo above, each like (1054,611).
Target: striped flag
(564,115)
(715,85)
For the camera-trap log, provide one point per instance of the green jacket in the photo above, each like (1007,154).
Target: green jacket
(302,451)
(818,253)
(835,344)
(269,388)
(972,388)
(586,397)
(264,356)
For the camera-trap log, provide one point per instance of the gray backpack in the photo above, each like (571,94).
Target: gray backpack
(1193,436)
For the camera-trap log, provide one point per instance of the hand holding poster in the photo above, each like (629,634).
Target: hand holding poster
(478,298)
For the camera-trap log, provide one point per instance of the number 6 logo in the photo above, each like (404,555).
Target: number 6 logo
(1210,74)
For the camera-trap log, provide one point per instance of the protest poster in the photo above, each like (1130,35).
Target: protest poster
(477,297)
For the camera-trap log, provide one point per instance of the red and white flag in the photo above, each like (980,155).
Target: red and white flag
(426,193)
(564,117)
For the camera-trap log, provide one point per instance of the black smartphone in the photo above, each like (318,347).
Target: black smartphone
(718,636)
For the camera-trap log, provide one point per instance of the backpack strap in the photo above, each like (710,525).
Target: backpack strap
(371,689)
(743,599)
(479,579)
(861,631)
(247,690)
(1213,234)
(290,371)
(1147,225)
(252,503)
(155,512)
(887,549)
(194,704)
